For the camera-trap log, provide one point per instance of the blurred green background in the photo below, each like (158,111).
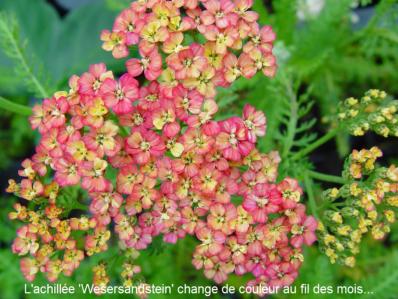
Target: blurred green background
(327,50)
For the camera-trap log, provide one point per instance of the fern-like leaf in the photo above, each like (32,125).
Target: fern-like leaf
(384,284)
(293,119)
(26,66)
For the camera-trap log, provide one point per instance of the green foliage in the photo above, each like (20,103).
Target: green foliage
(117,5)
(259,7)
(322,59)
(285,19)
(16,49)
(35,38)
(16,138)
(294,132)
(14,107)
(383,284)
(74,38)
(78,42)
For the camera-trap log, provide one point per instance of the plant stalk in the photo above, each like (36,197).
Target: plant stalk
(310,148)
(311,197)
(15,107)
(291,129)
(326,177)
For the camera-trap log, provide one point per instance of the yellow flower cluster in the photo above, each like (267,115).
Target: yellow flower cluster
(367,202)
(129,269)
(375,111)
(100,277)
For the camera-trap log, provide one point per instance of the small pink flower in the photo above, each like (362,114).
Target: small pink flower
(92,173)
(204,83)
(264,200)
(131,23)
(195,139)
(188,63)
(140,239)
(105,201)
(232,139)
(207,180)
(120,95)
(219,270)
(116,42)
(304,233)
(281,275)
(262,40)
(49,141)
(90,82)
(204,118)
(225,189)
(29,268)
(150,64)
(242,9)
(211,240)
(144,193)
(173,44)
(127,177)
(144,144)
(221,218)
(232,67)
(186,102)
(265,62)
(188,163)
(291,192)
(30,189)
(67,171)
(219,13)
(25,242)
(254,121)
(123,227)
(223,39)
(150,97)
(102,140)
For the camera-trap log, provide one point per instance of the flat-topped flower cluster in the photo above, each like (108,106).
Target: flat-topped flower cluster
(154,161)
(367,202)
(199,44)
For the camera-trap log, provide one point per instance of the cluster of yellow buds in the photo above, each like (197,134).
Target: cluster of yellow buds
(367,202)
(100,277)
(375,111)
(129,269)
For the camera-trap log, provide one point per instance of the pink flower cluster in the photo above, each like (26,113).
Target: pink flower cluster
(167,34)
(153,160)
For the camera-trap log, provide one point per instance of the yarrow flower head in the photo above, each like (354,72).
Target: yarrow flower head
(152,160)
(367,202)
(375,111)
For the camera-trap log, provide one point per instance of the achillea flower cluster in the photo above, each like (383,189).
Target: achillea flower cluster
(375,111)
(167,34)
(368,202)
(152,159)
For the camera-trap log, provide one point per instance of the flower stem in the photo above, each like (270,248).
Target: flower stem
(310,192)
(326,177)
(14,107)
(325,138)
(292,125)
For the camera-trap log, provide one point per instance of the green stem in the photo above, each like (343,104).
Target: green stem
(325,138)
(15,107)
(310,192)
(326,177)
(291,128)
